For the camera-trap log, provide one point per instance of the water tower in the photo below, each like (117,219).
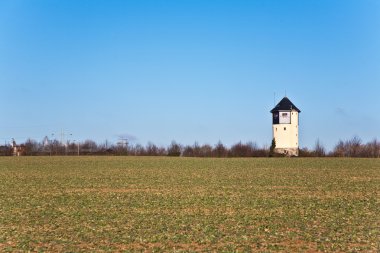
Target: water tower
(285,127)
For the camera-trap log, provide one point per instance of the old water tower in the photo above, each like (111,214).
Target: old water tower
(285,127)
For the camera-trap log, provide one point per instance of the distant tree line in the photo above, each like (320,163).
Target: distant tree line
(349,148)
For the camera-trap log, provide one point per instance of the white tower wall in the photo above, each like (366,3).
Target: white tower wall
(286,135)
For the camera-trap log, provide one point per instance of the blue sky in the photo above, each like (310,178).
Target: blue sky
(189,70)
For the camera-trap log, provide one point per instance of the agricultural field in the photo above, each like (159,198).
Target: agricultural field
(148,204)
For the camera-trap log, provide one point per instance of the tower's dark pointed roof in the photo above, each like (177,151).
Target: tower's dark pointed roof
(285,105)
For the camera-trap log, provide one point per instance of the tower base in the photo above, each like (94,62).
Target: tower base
(287,151)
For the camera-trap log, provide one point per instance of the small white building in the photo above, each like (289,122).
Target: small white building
(285,127)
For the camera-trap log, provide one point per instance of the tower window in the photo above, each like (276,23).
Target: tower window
(285,128)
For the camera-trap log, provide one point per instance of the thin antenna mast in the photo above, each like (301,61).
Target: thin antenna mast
(62,136)
(274,99)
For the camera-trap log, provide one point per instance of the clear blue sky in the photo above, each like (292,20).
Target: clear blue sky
(191,70)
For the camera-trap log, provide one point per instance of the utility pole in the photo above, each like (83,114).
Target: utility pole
(63,142)
(77,146)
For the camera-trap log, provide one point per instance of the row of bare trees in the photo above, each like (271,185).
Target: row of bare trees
(355,148)
(349,148)
(239,149)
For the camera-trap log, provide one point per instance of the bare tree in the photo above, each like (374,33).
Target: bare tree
(174,149)
(220,150)
(354,146)
(374,148)
(243,150)
(151,149)
(205,151)
(319,149)
(89,147)
(188,151)
(305,152)
(5,150)
(31,147)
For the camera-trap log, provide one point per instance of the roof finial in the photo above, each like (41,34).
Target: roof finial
(285,92)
